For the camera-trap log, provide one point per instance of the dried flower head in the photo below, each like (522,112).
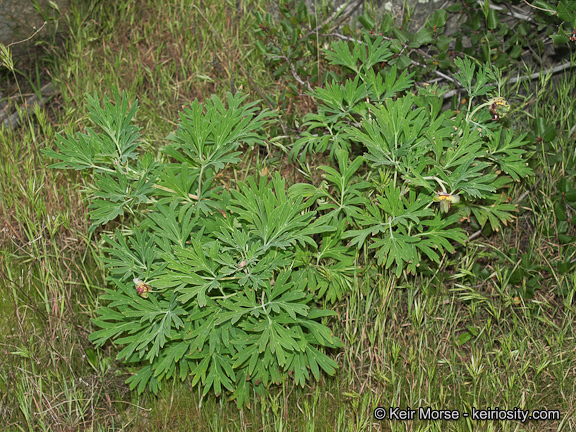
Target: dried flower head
(142,289)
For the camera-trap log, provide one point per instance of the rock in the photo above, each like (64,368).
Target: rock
(19,20)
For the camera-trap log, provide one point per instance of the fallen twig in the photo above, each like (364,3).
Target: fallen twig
(28,38)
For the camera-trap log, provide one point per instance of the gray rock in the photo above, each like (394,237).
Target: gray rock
(19,20)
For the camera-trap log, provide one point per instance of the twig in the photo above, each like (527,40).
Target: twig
(286,58)
(344,10)
(512,14)
(27,39)
(539,8)
(474,235)
(346,38)
(440,74)
(296,77)
(521,197)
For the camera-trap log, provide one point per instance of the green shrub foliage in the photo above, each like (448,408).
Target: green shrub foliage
(202,281)
(221,283)
(417,155)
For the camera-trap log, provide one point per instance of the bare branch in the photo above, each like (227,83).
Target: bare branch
(27,39)
(511,14)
